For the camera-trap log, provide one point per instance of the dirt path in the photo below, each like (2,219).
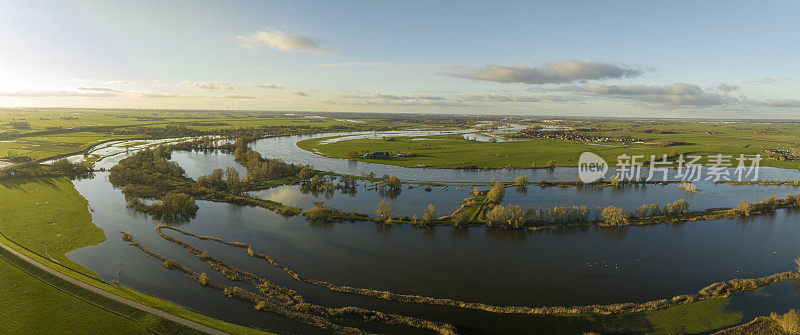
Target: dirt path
(131,303)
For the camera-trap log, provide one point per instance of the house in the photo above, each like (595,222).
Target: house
(378,155)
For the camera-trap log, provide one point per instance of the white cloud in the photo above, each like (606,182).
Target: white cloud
(282,41)
(161,95)
(402,100)
(59,93)
(677,94)
(192,96)
(98,89)
(268,85)
(493,97)
(120,82)
(773,80)
(298,93)
(566,71)
(388,97)
(725,88)
(436,100)
(398,100)
(786,103)
(427,68)
(208,85)
(237,96)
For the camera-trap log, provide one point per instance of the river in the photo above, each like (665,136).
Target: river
(545,268)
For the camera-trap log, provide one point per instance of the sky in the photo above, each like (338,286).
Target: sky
(703,59)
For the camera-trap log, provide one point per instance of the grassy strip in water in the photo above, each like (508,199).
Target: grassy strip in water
(281,300)
(693,318)
(484,208)
(761,182)
(716,290)
(775,324)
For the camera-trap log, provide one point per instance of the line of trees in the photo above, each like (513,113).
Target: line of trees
(227,180)
(173,207)
(496,193)
(259,168)
(678,207)
(61,167)
(768,205)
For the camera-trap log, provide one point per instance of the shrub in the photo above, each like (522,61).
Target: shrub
(496,194)
(320,212)
(392,183)
(521,181)
(793,199)
(643,211)
(69,169)
(680,206)
(789,322)
(173,207)
(614,180)
(506,217)
(215,180)
(744,208)
(771,204)
(203,279)
(475,192)
(460,218)
(688,187)
(614,216)
(654,210)
(233,182)
(170,264)
(430,214)
(383,210)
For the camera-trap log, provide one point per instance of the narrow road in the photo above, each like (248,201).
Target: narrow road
(131,303)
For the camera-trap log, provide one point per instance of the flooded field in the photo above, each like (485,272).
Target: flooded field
(564,267)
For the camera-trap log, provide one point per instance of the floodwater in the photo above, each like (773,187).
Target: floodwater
(563,267)
(286,148)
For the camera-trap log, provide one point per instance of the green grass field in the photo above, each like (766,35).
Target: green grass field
(54,131)
(35,302)
(38,147)
(48,216)
(697,317)
(444,152)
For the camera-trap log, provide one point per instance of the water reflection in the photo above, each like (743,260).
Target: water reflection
(501,267)
(506,235)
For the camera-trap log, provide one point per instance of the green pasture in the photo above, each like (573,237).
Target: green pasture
(445,152)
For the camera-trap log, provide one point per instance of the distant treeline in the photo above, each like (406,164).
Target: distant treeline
(61,167)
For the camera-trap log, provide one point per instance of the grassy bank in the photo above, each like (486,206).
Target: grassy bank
(32,296)
(45,218)
(692,318)
(446,152)
(48,216)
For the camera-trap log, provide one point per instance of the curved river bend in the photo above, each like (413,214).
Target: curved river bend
(546,268)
